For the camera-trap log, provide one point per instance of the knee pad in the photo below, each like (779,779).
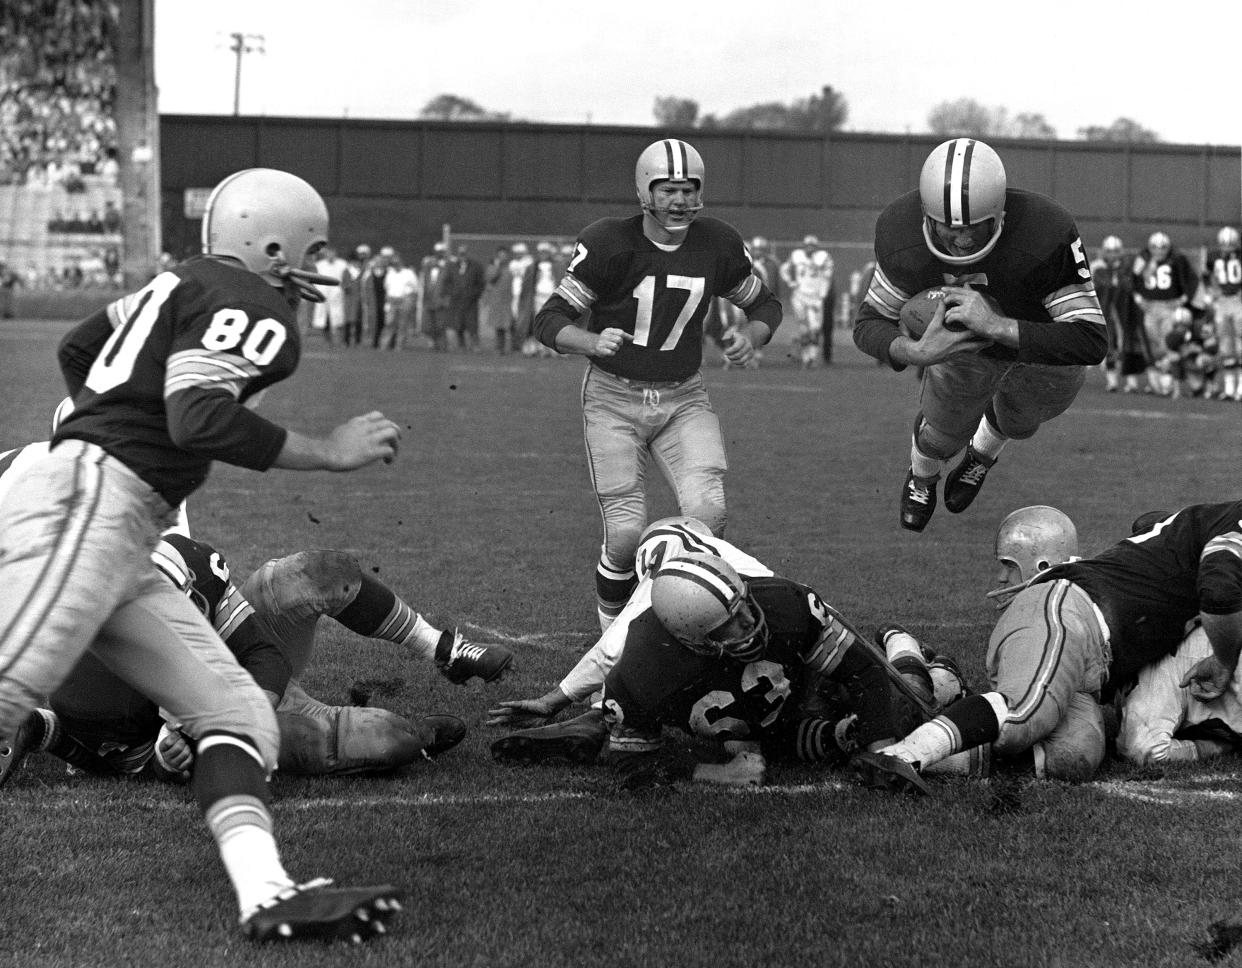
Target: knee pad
(936,444)
(331,578)
(1074,750)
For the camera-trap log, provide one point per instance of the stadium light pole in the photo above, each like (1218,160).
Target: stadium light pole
(243,44)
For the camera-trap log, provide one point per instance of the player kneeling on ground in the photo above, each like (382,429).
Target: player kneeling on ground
(1077,630)
(101,725)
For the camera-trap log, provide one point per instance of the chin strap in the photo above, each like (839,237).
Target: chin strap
(306,283)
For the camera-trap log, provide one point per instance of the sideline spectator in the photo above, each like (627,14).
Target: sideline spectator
(464,295)
(329,315)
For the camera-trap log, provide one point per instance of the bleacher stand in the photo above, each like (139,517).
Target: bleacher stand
(59,198)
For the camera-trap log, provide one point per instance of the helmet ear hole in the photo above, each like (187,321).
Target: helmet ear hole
(272,250)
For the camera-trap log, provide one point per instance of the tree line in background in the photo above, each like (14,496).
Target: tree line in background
(828,111)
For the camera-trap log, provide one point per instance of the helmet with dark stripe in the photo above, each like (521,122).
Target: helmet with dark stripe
(669,160)
(963,184)
(705,605)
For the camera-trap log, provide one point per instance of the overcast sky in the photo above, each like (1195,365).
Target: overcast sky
(1172,69)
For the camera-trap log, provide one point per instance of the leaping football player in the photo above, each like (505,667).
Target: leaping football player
(648,281)
(160,379)
(988,375)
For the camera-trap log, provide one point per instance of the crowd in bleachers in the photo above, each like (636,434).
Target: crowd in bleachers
(57,86)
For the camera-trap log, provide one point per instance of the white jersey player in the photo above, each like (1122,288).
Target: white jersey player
(808,274)
(1161,722)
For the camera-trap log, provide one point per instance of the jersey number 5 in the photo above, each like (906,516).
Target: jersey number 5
(645,291)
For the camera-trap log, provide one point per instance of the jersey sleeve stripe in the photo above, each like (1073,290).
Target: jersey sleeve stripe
(1075,303)
(1230,543)
(231,612)
(745,292)
(575,292)
(884,297)
(195,368)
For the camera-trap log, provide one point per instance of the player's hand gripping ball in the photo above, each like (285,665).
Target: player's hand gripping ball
(917,313)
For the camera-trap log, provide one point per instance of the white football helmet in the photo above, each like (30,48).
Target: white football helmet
(1035,538)
(1229,239)
(1159,245)
(695,594)
(963,183)
(273,223)
(668,160)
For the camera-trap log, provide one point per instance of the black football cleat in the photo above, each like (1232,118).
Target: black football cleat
(965,481)
(918,501)
(317,911)
(448,731)
(463,660)
(577,740)
(883,771)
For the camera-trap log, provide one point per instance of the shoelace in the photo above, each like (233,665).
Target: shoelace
(467,650)
(919,493)
(974,474)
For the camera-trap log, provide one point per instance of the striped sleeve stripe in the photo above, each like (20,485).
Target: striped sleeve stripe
(884,297)
(1076,302)
(194,368)
(745,292)
(168,560)
(1230,543)
(1050,655)
(231,612)
(575,292)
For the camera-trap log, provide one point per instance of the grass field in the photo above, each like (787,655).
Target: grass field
(487,520)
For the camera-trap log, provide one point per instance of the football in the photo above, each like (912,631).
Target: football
(919,309)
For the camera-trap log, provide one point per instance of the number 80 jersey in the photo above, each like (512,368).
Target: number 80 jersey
(164,393)
(660,297)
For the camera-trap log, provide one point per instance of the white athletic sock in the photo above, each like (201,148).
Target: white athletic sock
(243,831)
(922,465)
(987,442)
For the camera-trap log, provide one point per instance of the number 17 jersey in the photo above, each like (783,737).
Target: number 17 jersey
(659,297)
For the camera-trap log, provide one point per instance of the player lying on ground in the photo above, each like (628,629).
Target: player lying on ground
(720,657)
(1162,721)
(1074,630)
(98,723)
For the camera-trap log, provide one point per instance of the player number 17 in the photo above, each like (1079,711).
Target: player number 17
(645,291)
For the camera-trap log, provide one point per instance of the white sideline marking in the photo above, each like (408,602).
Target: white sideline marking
(1158,414)
(1153,793)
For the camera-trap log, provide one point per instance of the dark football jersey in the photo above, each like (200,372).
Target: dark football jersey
(659,297)
(187,349)
(1038,271)
(1225,269)
(658,682)
(1150,586)
(1168,280)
